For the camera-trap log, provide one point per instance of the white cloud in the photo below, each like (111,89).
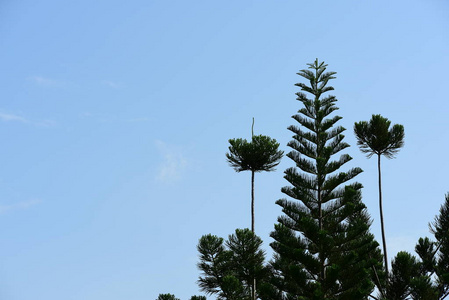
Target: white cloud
(133,120)
(43,81)
(11,118)
(111,84)
(18,206)
(5,117)
(173,165)
(110,118)
(45,123)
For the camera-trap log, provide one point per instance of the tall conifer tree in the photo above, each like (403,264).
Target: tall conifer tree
(376,137)
(323,248)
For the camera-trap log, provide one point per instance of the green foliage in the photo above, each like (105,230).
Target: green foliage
(435,255)
(214,263)
(166,297)
(323,248)
(440,229)
(425,278)
(376,137)
(403,269)
(261,154)
(247,258)
(229,272)
(198,298)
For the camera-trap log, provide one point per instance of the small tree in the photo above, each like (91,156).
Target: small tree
(440,229)
(166,297)
(247,258)
(198,298)
(433,279)
(376,137)
(261,154)
(404,268)
(229,272)
(215,265)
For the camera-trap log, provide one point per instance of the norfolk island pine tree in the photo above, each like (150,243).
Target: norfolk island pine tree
(326,228)
(376,137)
(261,154)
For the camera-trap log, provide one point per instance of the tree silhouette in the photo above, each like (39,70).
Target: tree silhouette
(376,137)
(261,154)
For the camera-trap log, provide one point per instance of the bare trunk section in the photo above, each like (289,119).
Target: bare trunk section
(252,227)
(252,201)
(384,243)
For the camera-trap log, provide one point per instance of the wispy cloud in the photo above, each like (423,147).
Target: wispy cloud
(18,206)
(45,123)
(103,118)
(173,163)
(12,118)
(46,82)
(134,120)
(7,117)
(112,84)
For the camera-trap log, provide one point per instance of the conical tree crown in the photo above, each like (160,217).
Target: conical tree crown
(315,141)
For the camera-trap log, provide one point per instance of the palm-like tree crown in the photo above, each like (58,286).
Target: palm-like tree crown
(261,154)
(376,137)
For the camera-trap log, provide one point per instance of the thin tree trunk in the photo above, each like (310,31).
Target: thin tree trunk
(252,210)
(382,219)
(253,290)
(252,201)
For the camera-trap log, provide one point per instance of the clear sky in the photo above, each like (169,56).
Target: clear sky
(115,118)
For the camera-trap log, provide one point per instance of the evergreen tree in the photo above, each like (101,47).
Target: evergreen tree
(261,154)
(404,268)
(166,297)
(426,278)
(230,269)
(440,229)
(247,258)
(432,281)
(198,298)
(215,265)
(323,248)
(376,137)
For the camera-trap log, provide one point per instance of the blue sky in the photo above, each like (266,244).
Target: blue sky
(115,118)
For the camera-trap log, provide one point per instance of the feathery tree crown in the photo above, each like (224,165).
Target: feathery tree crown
(322,242)
(261,154)
(376,137)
